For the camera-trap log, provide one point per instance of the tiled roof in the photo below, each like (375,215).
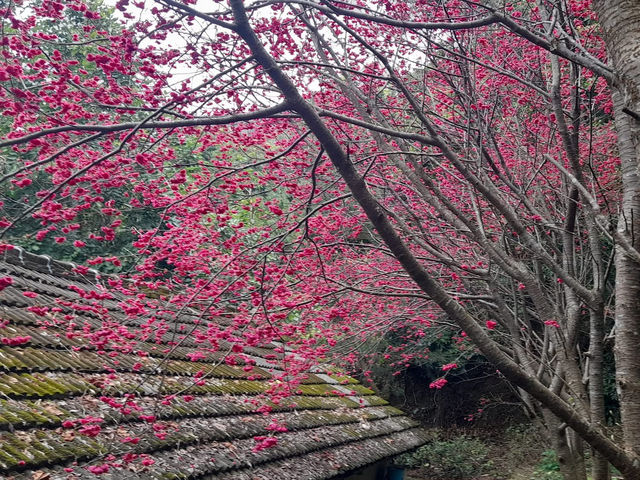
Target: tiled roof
(50,381)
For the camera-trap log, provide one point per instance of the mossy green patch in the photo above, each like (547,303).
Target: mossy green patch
(173,476)
(319,389)
(392,411)
(7,461)
(323,402)
(361,389)
(343,379)
(376,401)
(39,385)
(9,359)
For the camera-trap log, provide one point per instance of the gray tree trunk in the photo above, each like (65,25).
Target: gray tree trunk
(620,20)
(600,466)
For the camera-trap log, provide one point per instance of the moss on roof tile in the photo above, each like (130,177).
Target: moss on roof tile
(56,380)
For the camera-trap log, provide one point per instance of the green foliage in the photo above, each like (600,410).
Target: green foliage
(548,468)
(429,351)
(457,458)
(14,201)
(23,233)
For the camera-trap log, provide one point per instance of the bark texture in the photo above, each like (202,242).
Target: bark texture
(620,20)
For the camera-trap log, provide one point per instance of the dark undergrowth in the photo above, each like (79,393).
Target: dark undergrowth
(514,453)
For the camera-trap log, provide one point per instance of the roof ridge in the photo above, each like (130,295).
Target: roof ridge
(16,255)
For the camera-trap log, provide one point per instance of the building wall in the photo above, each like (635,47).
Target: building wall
(377,471)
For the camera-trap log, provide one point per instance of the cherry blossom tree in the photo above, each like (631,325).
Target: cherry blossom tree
(329,170)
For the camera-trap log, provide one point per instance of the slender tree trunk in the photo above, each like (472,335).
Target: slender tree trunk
(627,315)
(576,448)
(600,466)
(620,20)
(571,465)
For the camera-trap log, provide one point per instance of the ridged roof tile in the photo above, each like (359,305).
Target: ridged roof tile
(334,424)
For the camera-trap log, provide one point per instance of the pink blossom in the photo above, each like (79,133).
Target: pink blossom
(90,430)
(25,182)
(15,341)
(491,324)
(264,442)
(276,427)
(275,210)
(89,419)
(438,384)
(5,282)
(195,356)
(98,469)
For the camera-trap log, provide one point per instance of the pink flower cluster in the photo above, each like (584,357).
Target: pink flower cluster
(264,442)
(5,282)
(438,384)
(15,341)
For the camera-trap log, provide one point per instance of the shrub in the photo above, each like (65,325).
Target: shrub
(460,457)
(548,468)
(549,462)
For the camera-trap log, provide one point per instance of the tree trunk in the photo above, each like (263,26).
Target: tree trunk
(600,466)
(627,315)
(620,20)
(571,465)
(576,450)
